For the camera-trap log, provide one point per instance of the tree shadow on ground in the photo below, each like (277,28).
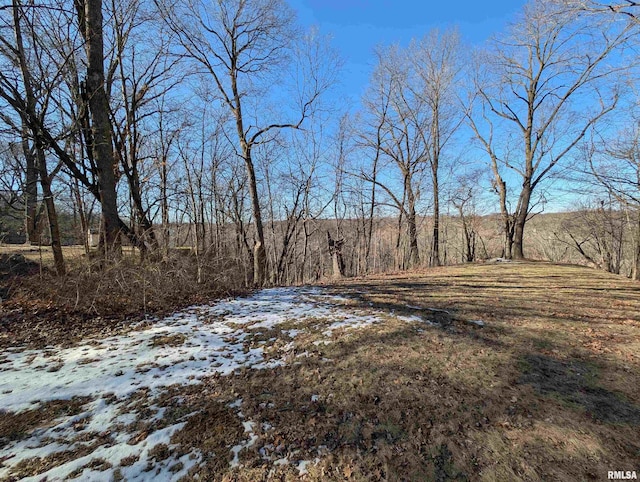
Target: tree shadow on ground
(573,381)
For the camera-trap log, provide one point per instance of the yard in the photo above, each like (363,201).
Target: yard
(502,371)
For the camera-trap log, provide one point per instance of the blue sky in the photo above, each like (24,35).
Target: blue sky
(357,26)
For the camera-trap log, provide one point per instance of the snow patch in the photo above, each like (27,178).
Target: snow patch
(476,322)
(253,438)
(303,464)
(180,349)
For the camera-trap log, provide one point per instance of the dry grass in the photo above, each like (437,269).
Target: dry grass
(38,308)
(44,255)
(548,389)
(16,426)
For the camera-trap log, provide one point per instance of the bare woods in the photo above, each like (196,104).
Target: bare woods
(219,133)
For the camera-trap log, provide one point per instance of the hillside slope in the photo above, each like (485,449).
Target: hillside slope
(507,371)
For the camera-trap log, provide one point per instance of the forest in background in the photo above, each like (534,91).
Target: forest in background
(220,126)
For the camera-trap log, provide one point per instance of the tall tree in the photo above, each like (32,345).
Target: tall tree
(543,86)
(244,46)
(91,26)
(35,153)
(140,77)
(398,138)
(437,65)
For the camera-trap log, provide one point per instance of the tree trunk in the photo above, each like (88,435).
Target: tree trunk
(468,238)
(520,221)
(507,223)
(30,190)
(434,260)
(635,269)
(414,256)
(337,262)
(412,228)
(90,20)
(52,216)
(517,252)
(84,223)
(259,251)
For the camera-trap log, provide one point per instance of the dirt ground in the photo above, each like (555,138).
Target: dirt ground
(528,371)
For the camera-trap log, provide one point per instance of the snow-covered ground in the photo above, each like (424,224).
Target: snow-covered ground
(181,349)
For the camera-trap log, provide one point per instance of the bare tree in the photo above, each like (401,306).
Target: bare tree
(241,44)
(28,109)
(399,121)
(437,65)
(464,199)
(377,143)
(91,27)
(136,81)
(596,232)
(615,164)
(544,86)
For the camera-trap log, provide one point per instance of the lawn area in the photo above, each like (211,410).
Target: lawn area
(548,389)
(505,371)
(44,255)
